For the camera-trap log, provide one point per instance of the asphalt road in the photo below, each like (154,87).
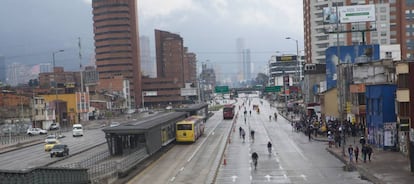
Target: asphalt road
(190,163)
(294,158)
(35,156)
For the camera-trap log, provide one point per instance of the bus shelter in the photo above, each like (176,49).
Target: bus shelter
(195,110)
(151,133)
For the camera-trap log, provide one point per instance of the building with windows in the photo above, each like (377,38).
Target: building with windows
(147,63)
(391,27)
(117,44)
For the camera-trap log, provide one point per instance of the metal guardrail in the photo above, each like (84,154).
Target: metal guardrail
(44,176)
(15,139)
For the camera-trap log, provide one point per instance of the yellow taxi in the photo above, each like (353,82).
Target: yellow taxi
(49,144)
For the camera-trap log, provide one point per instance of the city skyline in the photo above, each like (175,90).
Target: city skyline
(202,25)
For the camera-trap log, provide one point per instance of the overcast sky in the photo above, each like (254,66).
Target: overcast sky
(31,29)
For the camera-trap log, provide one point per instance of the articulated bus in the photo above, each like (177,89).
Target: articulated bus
(228,111)
(190,129)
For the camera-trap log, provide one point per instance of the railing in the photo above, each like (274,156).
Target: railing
(132,160)
(15,139)
(89,162)
(44,175)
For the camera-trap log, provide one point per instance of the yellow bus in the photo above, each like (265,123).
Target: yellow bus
(189,129)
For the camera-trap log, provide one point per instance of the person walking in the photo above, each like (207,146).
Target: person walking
(356,152)
(369,152)
(243,135)
(350,152)
(364,153)
(252,134)
(269,147)
(240,132)
(255,157)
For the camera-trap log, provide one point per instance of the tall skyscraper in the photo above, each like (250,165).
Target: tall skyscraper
(247,70)
(240,51)
(2,69)
(147,64)
(190,67)
(116,44)
(169,54)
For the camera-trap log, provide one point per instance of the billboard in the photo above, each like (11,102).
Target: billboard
(286,58)
(349,14)
(348,54)
(358,13)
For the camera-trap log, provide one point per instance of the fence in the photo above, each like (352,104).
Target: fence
(100,166)
(45,176)
(15,139)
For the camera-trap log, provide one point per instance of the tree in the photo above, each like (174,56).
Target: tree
(262,79)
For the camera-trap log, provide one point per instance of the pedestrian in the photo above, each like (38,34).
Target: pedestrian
(350,152)
(356,152)
(252,134)
(364,153)
(369,152)
(330,139)
(240,132)
(362,140)
(243,135)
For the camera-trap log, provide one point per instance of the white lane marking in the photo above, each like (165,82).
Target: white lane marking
(280,167)
(172,179)
(268,177)
(202,143)
(234,178)
(284,175)
(182,169)
(251,177)
(277,160)
(304,177)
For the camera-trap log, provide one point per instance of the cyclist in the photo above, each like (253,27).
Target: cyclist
(255,157)
(275,114)
(269,147)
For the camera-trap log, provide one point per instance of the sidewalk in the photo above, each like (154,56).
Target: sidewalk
(386,167)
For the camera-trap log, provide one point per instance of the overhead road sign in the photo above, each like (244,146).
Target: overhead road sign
(221,89)
(273,88)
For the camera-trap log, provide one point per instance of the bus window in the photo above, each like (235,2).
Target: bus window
(184,127)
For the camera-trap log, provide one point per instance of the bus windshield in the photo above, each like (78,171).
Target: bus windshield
(184,127)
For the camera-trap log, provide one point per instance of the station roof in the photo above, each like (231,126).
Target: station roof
(143,125)
(192,107)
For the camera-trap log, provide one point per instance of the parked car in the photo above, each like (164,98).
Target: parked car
(59,150)
(36,131)
(54,126)
(50,138)
(49,145)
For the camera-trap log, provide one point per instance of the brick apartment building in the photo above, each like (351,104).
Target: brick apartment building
(117,44)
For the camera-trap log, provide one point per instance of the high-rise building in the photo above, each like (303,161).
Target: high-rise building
(2,69)
(240,55)
(392,26)
(169,54)
(116,44)
(190,67)
(247,69)
(147,64)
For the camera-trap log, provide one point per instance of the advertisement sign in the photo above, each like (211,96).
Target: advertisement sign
(330,15)
(348,54)
(149,93)
(358,13)
(286,58)
(349,14)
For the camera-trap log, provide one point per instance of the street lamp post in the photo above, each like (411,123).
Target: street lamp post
(298,69)
(55,85)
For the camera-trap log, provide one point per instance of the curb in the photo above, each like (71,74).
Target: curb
(362,171)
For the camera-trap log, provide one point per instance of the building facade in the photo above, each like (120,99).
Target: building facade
(116,43)
(147,63)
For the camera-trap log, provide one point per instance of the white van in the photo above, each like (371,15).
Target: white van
(77,130)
